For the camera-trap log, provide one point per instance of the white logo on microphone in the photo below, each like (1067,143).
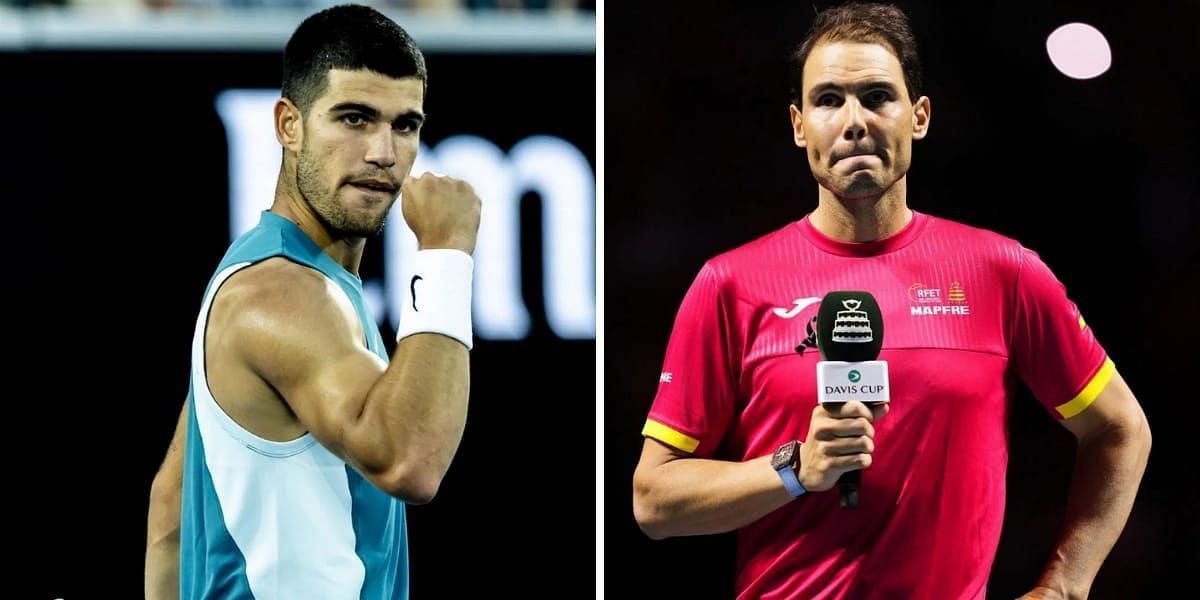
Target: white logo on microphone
(852,326)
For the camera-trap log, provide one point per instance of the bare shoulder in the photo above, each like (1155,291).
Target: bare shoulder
(276,311)
(273,282)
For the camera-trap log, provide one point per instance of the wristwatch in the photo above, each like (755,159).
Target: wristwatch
(785,462)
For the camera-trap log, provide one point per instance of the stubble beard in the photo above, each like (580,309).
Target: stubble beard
(324,203)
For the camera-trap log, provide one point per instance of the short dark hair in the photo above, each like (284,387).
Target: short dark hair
(882,24)
(350,37)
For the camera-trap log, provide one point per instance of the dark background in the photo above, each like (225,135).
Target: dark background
(1098,176)
(115,205)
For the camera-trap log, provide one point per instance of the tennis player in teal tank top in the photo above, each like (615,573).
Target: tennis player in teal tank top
(301,440)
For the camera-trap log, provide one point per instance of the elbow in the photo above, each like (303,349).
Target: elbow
(411,485)
(649,517)
(649,524)
(406,474)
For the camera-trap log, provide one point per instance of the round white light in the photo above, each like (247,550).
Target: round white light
(1079,51)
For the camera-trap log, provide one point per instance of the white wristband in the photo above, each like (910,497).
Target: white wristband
(437,295)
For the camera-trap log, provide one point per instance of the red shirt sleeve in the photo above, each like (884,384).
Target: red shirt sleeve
(695,402)
(1053,350)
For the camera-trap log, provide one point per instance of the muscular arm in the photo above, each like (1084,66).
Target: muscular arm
(1113,440)
(676,494)
(162,527)
(399,424)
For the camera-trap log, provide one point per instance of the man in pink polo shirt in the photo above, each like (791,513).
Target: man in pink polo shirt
(968,314)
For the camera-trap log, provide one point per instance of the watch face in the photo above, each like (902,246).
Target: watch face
(783,456)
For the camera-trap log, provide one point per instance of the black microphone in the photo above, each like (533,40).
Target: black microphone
(849,336)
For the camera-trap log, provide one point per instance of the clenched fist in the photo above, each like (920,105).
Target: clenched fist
(841,438)
(443,212)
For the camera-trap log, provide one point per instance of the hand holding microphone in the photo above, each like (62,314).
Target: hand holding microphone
(841,439)
(852,388)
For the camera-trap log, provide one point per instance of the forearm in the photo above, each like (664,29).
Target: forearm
(694,496)
(1108,470)
(417,411)
(162,545)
